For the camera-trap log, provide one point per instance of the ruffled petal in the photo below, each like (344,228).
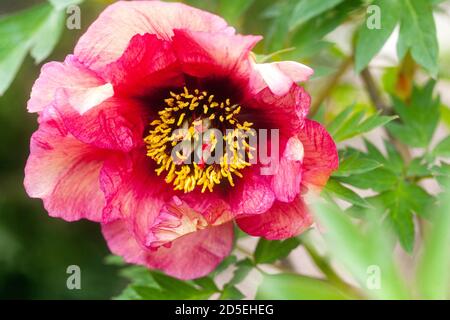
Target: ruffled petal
(282,221)
(253,195)
(65,174)
(191,256)
(320,155)
(132,190)
(279,76)
(115,124)
(286,113)
(177,218)
(287,181)
(84,88)
(205,54)
(147,64)
(107,38)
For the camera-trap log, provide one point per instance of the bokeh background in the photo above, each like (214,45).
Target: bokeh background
(35,250)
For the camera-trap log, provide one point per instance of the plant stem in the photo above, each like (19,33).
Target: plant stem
(378,102)
(330,85)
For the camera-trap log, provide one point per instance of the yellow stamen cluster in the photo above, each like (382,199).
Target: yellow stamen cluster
(194,113)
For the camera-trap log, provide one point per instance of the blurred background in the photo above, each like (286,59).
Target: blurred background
(35,250)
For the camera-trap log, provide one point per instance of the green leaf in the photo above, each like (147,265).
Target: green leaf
(350,123)
(308,39)
(233,10)
(297,287)
(63,4)
(36,29)
(308,9)
(243,268)
(419,119)
(418,168)
(153,285)
(378,180)
(231,293)
(370,41)
(355,163)
(434,267)
(270,251)
(360,250)
(418,34)
(443,148)
(401,203)
(337,189)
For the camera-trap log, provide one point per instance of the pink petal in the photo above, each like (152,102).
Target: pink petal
(147,64)
(205,54)
(85,89)
(279,76)
(286,113)
(282,221)
(192,256)
(107,38)
(321,157)
(286,182)
(177,218)
(115,124)
(253,195)
(131,189)
(65,174)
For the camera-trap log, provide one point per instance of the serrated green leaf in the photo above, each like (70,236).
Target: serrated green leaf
(419,119)
(350,123)
(401,202)
(354,164)
(378,180)
(344,193)
(270,251)
(443,148)
(418,34)
(370,41)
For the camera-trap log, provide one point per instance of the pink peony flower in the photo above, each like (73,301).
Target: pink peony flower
(107,121)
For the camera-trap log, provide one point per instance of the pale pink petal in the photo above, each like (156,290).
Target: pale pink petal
(147,64)
(192,256)
(107,38)
(286,182)
(279,76)
(320,155)
(64,173)
(282,221)
(85,89)
(115,124)
(205,54)
(177,218)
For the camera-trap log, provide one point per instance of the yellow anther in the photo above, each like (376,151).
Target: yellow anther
(162,138)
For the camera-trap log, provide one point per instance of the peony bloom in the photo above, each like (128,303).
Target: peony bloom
(108,117)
